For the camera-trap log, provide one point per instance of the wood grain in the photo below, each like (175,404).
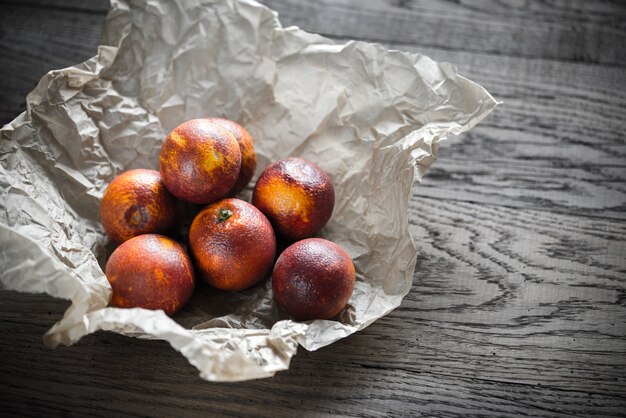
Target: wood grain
(33,42)
(547,147)
(589,32)
(535,290)
(518,306)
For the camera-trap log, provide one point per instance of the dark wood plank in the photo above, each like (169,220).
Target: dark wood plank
(543,293)
(590,32)
(33,42)
(549,146)
(88,7)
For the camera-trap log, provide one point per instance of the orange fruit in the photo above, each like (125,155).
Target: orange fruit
(137,202)
(313,279)
(150,271)
(248,155)
(232,244)
(200,161)
(297,197)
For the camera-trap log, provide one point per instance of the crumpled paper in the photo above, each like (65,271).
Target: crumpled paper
(370,117)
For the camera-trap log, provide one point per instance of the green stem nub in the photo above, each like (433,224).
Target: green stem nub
(225,214)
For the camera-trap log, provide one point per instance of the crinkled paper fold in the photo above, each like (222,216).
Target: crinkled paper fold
(370,117)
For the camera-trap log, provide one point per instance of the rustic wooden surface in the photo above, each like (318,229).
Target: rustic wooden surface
(518,305)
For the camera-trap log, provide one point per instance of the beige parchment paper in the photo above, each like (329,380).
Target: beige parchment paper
(370,117)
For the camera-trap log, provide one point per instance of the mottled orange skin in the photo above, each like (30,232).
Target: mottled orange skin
(137,202)
(200,161)
(248,155)
(233,253)
(313,279)
(296,196)
(150,271)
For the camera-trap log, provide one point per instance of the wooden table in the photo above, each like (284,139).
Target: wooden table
(518,305)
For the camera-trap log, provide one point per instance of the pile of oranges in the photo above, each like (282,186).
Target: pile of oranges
(232,244)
